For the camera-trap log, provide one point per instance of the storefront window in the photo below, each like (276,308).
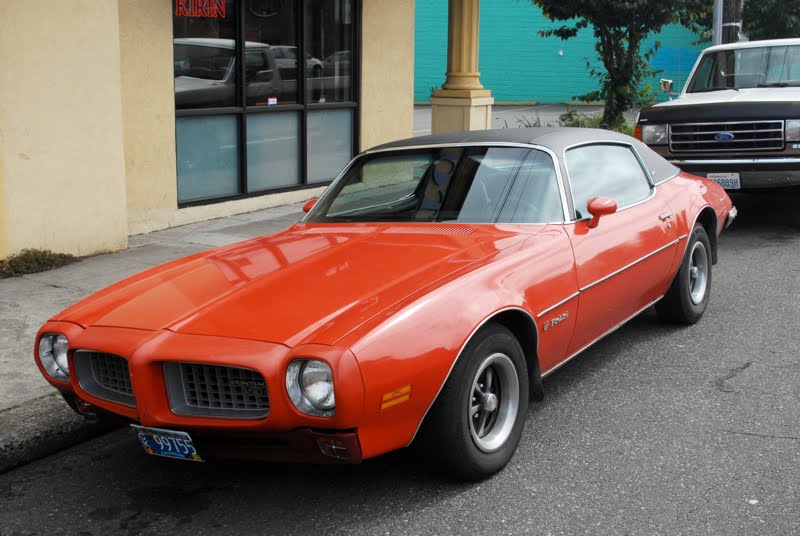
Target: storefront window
(271,74)
(329,142)
(208,164)
(265,95)
(273,150)
(333,43)
(204,58)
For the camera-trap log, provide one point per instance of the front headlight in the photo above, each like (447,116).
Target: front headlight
(654,134)
(793,130)
(53,349)
(310,386)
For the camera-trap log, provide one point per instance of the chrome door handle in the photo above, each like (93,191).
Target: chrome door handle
(665,216)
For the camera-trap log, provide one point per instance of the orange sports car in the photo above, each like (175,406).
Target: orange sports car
(423,298)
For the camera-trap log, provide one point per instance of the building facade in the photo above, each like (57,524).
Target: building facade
(520,66)
(119,117)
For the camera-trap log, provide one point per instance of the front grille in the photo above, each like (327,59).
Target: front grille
(105,376)
(745,136)
(216,391)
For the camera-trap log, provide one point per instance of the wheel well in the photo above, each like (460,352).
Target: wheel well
(708,219)
(524,329)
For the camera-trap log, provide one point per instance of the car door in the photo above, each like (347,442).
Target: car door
(623,262)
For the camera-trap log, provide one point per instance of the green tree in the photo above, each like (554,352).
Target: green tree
(771,19)
(620,27)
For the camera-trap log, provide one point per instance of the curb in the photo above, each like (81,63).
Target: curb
(41,427)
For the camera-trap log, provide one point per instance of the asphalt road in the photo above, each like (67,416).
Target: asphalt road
(655,430)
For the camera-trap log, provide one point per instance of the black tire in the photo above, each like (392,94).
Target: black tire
(451,438)
(684,302)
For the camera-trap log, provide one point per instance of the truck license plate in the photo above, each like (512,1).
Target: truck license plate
(169,443)
(729,181)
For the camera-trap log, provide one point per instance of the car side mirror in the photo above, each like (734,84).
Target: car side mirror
(666,85)
(600,206)
(309,205)
(264,76)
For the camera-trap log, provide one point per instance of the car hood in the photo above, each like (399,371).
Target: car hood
(777,103)
(756,94)
(188,83)
(310,283)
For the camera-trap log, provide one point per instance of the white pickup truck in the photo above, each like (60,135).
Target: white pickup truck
(737,120)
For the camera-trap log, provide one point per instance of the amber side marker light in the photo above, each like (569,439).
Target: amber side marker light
(395,397)
(637,132)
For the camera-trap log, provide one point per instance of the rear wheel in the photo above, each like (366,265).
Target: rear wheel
(476,423)
(687,297)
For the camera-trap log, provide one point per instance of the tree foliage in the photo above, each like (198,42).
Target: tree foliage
(620,27)
(771,19)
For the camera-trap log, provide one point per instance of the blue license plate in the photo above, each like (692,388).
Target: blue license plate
(169,443)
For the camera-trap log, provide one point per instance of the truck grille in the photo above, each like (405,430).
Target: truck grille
(216,391)
(713,137)
(104,376)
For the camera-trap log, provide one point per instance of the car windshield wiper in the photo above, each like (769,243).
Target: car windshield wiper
(713,88)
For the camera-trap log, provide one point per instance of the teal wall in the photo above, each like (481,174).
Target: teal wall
(519,66)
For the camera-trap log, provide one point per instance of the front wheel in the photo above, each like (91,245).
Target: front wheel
(475,425)
(687,297)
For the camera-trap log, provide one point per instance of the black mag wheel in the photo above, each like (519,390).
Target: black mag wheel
(687,297)
(475,425)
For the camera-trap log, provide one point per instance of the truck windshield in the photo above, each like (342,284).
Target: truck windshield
(776,66)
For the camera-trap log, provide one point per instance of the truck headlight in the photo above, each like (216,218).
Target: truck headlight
(654,134)
(310,386)
(793,130)
(53,349)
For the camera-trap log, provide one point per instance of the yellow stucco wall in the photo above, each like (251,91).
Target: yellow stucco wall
(61,154)
(148,112)
(87,119)
(387,71)
(3,226)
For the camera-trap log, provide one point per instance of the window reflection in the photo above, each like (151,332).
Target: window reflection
(271,74)
(605,171)
(329,35)
(204,51)
(237,56)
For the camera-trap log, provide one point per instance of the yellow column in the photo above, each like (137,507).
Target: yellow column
(462,104)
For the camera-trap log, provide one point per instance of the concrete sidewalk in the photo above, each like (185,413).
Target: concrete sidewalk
(34,422)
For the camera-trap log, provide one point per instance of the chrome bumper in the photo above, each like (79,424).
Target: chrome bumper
(753,172)
(731,216)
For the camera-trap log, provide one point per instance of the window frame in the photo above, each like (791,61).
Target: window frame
(568,179)
(242,110)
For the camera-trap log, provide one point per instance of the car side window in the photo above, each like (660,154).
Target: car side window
(605,170)
(535,196)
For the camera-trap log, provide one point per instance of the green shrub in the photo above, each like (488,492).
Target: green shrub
(30,261)
(572,118)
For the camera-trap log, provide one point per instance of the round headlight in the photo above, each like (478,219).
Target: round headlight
(53,348)
(310,386)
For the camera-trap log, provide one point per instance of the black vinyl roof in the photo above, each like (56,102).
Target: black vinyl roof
(556,139)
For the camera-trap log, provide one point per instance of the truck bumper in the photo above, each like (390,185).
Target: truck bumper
(753,173)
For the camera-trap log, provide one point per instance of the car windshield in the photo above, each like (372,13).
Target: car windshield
(196,61)
(457,184)
(775,66)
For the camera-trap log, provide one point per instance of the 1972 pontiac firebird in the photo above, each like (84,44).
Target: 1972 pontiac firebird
(424,297)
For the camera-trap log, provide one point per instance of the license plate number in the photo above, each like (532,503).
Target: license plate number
(169,443)
(729,181)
